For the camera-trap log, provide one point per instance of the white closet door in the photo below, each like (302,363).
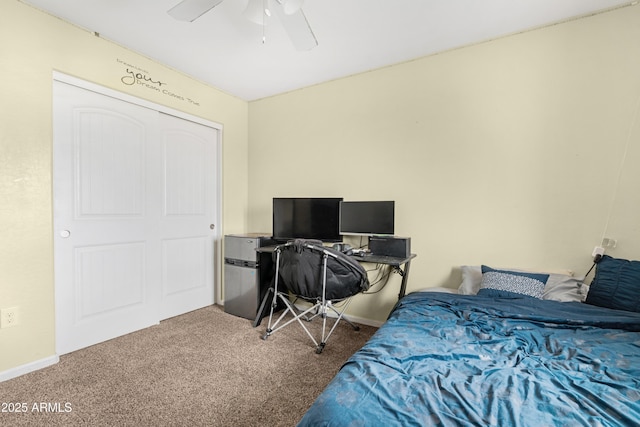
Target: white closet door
(186,221)
(128,238)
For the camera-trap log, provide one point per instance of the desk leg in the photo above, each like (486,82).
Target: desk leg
(405,277)
(263,305)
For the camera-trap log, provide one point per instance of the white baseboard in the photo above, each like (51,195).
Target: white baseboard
(29,367)
(364,321)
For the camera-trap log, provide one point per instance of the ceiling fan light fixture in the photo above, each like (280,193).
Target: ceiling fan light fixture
(257,11)
(291,6)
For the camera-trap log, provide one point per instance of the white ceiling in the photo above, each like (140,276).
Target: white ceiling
(225,50)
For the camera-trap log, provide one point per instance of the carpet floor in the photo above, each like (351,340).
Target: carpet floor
(204,368)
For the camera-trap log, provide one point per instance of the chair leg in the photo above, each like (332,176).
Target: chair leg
(272,327)
(338,319)
(345,318)
(298,310)
(296,317)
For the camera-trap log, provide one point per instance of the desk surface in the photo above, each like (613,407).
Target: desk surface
(381,259)
(374,259)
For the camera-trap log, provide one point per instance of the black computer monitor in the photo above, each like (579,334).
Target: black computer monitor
(306,218)
(367,218)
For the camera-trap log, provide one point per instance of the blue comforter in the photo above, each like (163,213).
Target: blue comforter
(454,360)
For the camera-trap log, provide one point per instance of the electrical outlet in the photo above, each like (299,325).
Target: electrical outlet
(9,317)
(598,250)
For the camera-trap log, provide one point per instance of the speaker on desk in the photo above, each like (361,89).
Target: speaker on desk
(397,247)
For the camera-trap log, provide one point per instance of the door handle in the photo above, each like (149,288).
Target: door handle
(212,226)
(65,234)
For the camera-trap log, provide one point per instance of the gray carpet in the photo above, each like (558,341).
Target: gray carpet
(204,368)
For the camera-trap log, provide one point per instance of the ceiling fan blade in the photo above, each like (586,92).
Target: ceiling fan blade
(190,10)
(298,29)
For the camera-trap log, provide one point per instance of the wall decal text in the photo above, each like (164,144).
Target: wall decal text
(134,75)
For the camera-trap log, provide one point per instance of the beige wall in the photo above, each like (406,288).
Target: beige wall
(33,45)
(508,153)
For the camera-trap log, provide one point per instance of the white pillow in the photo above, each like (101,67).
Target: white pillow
(561,285)
(565,288)
(471,279)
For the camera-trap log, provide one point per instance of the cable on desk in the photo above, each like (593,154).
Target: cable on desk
(379,273)
(380,277)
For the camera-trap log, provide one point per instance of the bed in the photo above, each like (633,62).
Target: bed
(499,356)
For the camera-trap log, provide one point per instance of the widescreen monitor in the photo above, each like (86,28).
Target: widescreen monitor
(306,218)
(373,218)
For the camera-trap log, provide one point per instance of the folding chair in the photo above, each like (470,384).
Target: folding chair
(316,274)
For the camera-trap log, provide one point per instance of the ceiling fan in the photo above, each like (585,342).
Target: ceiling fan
(289,13)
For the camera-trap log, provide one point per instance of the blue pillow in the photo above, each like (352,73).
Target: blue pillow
(506,283)
(616,284)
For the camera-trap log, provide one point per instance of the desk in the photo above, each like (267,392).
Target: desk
(266,264)
(395,263)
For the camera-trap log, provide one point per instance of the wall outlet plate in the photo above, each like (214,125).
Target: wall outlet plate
(9,317)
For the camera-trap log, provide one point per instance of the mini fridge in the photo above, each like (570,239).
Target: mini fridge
(242,284)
